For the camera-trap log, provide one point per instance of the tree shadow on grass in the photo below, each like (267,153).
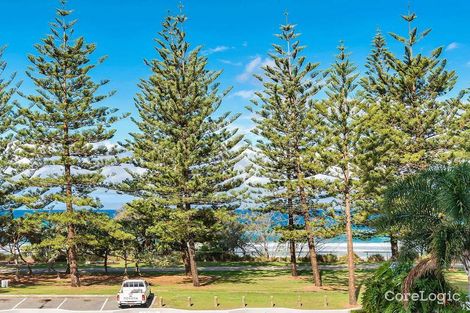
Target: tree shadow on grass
(336,280)
(52,280)
(332,279)
(244,277)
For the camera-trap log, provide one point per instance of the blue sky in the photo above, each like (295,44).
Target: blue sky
(236,35)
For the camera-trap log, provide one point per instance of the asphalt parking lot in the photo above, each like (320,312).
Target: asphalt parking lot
(72,303)
(92,304)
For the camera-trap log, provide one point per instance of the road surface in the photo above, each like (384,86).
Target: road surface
(114,270)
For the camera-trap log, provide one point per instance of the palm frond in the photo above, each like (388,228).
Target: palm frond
(423,268)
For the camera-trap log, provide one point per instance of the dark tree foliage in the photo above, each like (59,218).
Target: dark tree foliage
(63,130)
(289,142)
(187,147)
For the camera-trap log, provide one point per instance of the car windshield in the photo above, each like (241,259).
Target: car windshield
(133,284)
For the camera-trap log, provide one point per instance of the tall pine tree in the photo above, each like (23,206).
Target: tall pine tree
(188,148)
(420,114)
(413,115)
(288,143)
(377,169)
(343,116)
(62,129)
(9,229)
(7,123)
(378,164)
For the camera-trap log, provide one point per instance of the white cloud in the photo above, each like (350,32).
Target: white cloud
(245,94)
(216,49)
(452,46)
(268,62)
(242,128)
(468,64)
(249,69)
(118,173)
(245,44)
(230,62)
(253,66)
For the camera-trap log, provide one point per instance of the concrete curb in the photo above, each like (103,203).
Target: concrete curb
(56,296)
(169,310)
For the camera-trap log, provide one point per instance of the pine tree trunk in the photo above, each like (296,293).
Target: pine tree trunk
(394,246)
(313,254)
(465,259)
(187,265)
(308,228)
(125,264)
(349,232)
(192,262)
(468,285)
(350,248)
(137,268)
(106,261)
(50,264)
(72,256)
(125,268)
(30,270)
(267,255)
(293,257)
(72,248)
(310,240)
(71,245)
(17,268)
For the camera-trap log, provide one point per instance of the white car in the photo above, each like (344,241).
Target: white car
(133,292)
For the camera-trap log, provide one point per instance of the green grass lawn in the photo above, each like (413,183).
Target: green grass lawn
(458,279)
(230,286)
(259,286)
(256,286)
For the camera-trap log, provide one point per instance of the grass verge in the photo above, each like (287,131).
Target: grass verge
(257,287)
(230,287)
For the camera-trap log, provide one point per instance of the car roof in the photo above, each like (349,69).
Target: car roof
(133,280)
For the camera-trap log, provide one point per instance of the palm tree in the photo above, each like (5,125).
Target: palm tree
(432,208)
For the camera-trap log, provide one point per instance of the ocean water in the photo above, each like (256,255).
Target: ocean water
(22,212)
(332,241)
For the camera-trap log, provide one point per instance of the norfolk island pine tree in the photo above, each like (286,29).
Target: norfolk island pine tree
(188,149)
(413,122)
(7,126)
(63,126)
(288,138)
(8,163)
(343,115)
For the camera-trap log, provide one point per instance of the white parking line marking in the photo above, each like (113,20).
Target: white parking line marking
(61,304)
(18,304)
(105,301)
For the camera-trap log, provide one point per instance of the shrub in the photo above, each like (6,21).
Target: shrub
(61,258)
(169,258)
(390,276)
(327,258)
(207,254)
(375,258)
(344,259)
